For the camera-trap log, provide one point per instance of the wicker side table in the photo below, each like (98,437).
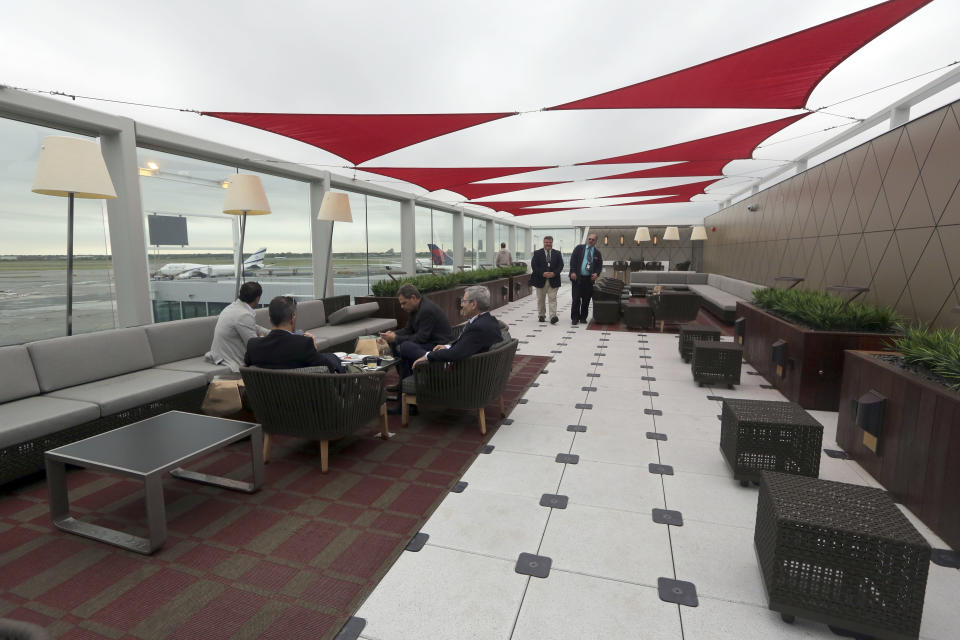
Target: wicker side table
(841,554)
(758,435)
(637,314)
(692,332)
(716,363)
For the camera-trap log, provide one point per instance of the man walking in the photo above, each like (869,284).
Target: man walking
(586,263)
(546,265)
(504,259)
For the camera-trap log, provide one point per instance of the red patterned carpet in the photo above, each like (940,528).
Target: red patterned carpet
(292,561)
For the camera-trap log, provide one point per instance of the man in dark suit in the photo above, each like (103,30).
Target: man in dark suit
(481,333)
(546,265)
(427,326)
(282,348)
(586,263)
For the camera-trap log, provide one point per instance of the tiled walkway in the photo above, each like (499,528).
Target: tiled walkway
(607,554)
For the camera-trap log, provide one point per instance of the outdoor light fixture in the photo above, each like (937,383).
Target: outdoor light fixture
(622,239)
(672,233)
(153,166)
(753,207)
(334,208)
(74,168)
(739,330)
(869,411)
(244,197)
(778,353)
(698,233)
(605,240)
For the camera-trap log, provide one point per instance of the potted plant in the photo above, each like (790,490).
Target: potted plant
(795,338)
(909,439)
(445,290)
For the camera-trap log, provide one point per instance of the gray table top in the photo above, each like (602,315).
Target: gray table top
(155,444)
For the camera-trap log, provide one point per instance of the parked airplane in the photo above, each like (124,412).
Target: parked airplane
(439,261)
(184,270)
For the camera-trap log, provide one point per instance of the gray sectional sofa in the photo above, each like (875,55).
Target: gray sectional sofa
(57,391)
(719,294)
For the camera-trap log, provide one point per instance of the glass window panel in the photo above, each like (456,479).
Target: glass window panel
(478,240)
(33,248)
(443,233)
(350,272)
(383,237)
(424,235)
(564,240)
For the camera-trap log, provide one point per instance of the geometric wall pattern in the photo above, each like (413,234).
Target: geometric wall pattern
(673,251)
(885,215)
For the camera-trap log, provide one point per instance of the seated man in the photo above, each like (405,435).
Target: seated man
(235,326)
(481,333)
(284,349)
(426,327)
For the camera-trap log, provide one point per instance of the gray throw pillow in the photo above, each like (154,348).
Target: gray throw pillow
(354,312)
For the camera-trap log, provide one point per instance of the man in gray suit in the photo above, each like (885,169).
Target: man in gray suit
(235,326)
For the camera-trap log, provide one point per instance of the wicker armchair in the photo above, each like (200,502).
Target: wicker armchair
(16,630)
(471,383)
(319,406)
(675,307)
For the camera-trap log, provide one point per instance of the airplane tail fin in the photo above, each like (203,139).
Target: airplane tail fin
(255,259)
(438,255)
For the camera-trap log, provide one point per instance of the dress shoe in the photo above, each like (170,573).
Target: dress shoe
(553,320)
(542,319)
(574,323)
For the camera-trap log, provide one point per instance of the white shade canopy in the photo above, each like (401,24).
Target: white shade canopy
(72,165)
(642,235)
(672,233)
(245,195)
(699,233)
(335,207)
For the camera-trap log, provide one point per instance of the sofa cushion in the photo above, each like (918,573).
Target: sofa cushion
(17,378)
(335,334)
(715,279)
(310,314)
(740,288)
(132,389)
(644,277)
(72,360)
(718,297)
(375,325)
(672,277)
(197,365)
(262,317)
(29,418)
(181,339)
(354,312)
(696,278)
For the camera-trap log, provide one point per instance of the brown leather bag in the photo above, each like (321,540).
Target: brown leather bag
(223,398)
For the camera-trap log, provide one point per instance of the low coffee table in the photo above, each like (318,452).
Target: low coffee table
(637,313)
(146,450)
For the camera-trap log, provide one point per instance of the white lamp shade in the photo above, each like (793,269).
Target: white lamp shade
(72,165)
(245,195)
(335,207)
(699,233)
(642,235)
(672,233)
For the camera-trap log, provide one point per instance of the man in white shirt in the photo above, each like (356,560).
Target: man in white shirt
(235,326)
(504,259)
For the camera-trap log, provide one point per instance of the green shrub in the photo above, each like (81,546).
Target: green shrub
(440,281)
(937,351)
(824,311)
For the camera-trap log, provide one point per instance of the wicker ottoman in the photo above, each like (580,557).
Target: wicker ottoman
(606,311)
(716,363)
(758,435)
(637,314)
(840,554)
(691,332)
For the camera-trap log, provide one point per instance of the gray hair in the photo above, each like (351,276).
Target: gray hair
(480,295)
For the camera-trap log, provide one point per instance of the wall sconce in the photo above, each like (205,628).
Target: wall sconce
(869,410)
(655,240)
(606,240)
(622,239)
(778,353)
(739,330)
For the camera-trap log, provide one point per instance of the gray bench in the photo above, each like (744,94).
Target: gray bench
(719,294)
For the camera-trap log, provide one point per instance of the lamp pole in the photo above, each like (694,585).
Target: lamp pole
(70,197)
(243,230)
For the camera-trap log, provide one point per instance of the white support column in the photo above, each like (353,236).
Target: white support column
(512,240)
(125,216)
(408,236)
(458,248)
(321,240)
(528,243)
(899,116)
(491,242)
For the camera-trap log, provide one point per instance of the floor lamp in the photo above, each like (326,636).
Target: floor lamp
(334,208)
(245,196)
(74,168)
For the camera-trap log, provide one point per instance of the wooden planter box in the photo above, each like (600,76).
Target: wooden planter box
(520,287)
(499,291)
(813,361)
(918,447)
(448,300)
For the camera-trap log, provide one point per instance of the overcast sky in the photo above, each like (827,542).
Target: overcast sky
(420,56)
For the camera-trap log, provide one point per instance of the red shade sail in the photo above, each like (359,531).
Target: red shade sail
(506,205)
(473,191)
(359,137)
(739,143)
(688,189)
(432,178)
(527,212)
(779,74)
(679,170)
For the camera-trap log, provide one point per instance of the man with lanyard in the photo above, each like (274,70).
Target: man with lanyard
(586,263)
(546,266)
